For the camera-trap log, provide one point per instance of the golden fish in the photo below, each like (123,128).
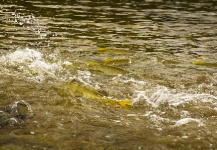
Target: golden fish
(115,51)
(79,90)
(202,63)
(116,62)
(109,70)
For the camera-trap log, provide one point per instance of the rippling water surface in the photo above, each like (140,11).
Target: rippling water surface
(122,74)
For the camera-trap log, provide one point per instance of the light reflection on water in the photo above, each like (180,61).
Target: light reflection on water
(45,45)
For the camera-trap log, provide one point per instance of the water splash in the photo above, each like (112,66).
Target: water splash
(161,95)
(30,64)
(188,120)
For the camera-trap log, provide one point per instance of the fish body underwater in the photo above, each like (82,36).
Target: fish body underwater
(115,51)
(202,63)
(108,70)
(85,92)
(116,62)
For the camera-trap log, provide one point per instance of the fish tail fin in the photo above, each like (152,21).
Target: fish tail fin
(122,104)
(125,103)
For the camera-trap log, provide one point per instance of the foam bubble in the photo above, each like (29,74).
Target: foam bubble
(85,78)
(188,120)
(44,69)
(181,98)
(21,56)
(31,64)
(160,95)
(141,95)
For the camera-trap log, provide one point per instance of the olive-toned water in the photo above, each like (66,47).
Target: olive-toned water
(68,67)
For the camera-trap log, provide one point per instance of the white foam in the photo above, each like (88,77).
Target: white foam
(161,95)
(67,63)
(157,119)
(44,69)
(131,115)
(188,120)
(85,78)
(30,64)
(181,98)
(158,97)
(141,95)
(132,80)
(21,56)
(125,79)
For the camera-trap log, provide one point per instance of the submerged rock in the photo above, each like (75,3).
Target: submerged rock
(15,113)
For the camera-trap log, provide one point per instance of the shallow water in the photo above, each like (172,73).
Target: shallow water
(54,62)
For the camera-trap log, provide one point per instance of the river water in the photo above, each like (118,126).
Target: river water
(105,74)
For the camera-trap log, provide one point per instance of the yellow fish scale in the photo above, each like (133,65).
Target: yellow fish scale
(87,93)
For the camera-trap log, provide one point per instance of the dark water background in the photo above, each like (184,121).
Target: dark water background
(171,48)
